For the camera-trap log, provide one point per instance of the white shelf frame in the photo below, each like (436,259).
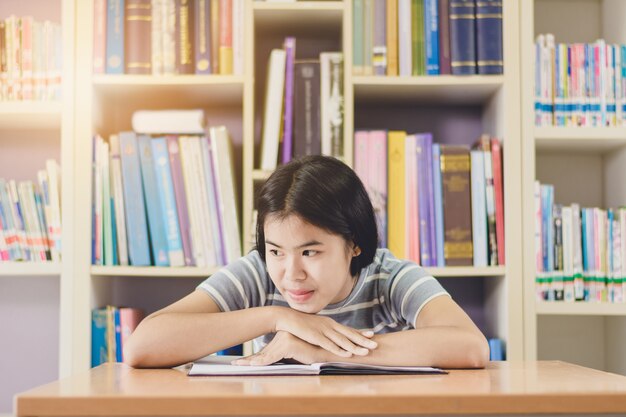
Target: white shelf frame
(35,269)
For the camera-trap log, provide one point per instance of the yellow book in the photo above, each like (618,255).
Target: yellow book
(396,194)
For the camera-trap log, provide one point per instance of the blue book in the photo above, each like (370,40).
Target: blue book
(431,34)
(496,349)
(489,58)
(98,336)
(438,204)
(462,37)
(134,206)
(583,233)
(479,208)
(118,335)
(115,37)
(156,223)
(167,199)
(426,200)
(622,67)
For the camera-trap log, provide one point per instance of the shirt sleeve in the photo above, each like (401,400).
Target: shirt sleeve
(241,284)
(410,289)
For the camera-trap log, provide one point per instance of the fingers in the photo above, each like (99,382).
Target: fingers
(358,338)
(346,344)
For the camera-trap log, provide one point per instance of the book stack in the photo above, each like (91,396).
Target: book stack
(427,37)
(579,84)
(168,37)
(303,112)
(30,217)
(438,205)
(579,251)
(30,59)
(110,329)
(166,198)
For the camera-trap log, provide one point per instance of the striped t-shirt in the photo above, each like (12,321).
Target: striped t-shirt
(387,297)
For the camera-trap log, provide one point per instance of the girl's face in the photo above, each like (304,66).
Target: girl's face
(309,266)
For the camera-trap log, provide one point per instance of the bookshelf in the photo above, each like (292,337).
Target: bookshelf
(448,106)
(37,295)
(585,164)
(107,103)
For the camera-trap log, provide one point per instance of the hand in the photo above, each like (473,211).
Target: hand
(325,332)
(284,346)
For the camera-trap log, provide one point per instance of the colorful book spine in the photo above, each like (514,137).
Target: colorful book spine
(290,56)
(378,179)
(431,35)
(438,191)
(462,37)
(183,32)
(212,194)
(137,229)
(424,190)
(396,194)
(444,37)
(489,58)
(307,118)
(496,157)
(138,37)
(379,48)
(167,198)
(357,37)
(202,39)
(115,37)
(181,198)
(411,203)
(405,50)
(98,337)
(479,209)
(392,37)
(226,37)
(158,234)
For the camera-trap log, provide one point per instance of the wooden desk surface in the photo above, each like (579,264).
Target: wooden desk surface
(502,388)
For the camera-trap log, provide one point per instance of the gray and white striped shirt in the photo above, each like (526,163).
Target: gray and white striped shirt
(387,297)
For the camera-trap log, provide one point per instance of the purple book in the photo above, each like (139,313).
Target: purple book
(290,52)
(181,198)
(426,199)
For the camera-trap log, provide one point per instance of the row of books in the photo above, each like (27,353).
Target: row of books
(438,205)
(427,37)
(110,329)
(579,84)
(165,200)
(579,251)
(30,59)
(30,217)
(168,37)
(303,112)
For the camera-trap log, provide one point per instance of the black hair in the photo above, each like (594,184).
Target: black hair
(326,193)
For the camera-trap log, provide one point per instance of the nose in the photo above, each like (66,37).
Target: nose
(294,270)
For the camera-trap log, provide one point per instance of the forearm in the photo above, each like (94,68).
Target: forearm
(445,347)
(171,339)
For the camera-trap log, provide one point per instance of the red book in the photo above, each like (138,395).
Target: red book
(496,157)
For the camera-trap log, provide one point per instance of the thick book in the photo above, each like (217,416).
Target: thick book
(489,37)
(462,37)
(307,121)
(221,366)
(138,37)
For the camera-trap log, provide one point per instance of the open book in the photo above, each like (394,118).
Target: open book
(221,365)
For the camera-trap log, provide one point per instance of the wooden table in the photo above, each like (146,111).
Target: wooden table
(503,388)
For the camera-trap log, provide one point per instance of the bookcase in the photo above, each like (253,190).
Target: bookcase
(457,109)
(37,295)
(586,166)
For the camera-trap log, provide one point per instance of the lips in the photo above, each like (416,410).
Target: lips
(300,295)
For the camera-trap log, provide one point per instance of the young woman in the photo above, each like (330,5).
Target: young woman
(315,289)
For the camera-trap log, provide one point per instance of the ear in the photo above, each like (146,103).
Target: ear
(356,251)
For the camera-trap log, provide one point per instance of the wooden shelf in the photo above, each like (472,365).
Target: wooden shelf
(561,308)
(441,89)
(29,115)
(466,272)
(308,17)
(30,269)
(152,271)
(207,89)
(580,139)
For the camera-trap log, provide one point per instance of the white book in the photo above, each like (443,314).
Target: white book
(479,208)
(404,37)
(169,122)
(117,191)
(273,111)
(54,196)
(107,218)
(238,25)
(221,365)
(227,195)
(204,208)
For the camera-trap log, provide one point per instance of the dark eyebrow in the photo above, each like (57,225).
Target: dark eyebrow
(304,245)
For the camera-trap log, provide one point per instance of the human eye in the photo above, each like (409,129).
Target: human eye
(309,252)
(275,252)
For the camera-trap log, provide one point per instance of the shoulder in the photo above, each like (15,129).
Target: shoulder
(385,262)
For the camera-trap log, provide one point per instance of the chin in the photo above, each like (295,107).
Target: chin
(305,308)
